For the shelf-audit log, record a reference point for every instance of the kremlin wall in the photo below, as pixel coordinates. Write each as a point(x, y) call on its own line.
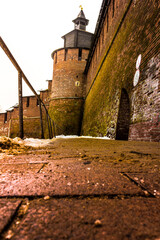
point(106, 83)
point(9, 121)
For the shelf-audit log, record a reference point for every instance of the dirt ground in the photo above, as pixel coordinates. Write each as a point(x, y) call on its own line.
point(79, 189)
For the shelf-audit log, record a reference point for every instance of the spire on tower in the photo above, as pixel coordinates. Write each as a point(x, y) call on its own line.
point(81, 22)
point(79, 37)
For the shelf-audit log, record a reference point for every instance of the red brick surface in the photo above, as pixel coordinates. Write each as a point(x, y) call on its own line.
point(68, 77)
point(31, 117)
point(130, 31)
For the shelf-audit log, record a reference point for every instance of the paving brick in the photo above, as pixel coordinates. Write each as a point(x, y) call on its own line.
point(20, 168)
point(68, 180)
point(7, 210)
point(150, 181)
point(95, 218)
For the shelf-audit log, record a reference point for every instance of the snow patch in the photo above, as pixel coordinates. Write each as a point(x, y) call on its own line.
point(35, 142)
point(67, 136)
point(75, 136)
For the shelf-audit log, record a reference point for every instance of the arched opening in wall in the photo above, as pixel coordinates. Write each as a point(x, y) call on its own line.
point(122, 131)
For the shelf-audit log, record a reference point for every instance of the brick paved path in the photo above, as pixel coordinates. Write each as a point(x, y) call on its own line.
point(81, 189)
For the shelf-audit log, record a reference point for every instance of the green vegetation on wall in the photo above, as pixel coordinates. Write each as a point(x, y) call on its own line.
point(67, 115)
point(32, 128)
point(117, 68)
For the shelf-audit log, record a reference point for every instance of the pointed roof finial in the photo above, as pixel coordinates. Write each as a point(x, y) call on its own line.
point(81, 22)
point(81, 7)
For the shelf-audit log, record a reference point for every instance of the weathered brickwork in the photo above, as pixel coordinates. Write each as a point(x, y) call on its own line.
point(132, 30)
point(68, 76)
point(109, 28)
point(67, 115)
point(4, 125)
point(68, 90)
point(9, 123)
point(30, 107)
point(31, 127)
point(145, 104)
point(114, 87)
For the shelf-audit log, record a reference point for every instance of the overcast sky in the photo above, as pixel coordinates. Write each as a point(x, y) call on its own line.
point(32, 30)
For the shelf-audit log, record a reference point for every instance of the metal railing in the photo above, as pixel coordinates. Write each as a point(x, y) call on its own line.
point(21, 75)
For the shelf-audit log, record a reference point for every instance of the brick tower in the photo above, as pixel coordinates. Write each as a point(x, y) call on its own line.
point(68, 83)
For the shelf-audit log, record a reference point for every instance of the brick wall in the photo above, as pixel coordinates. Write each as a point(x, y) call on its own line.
point(31, 128)
point(132, 29)
point(4, 125)
point(68, 89)
point(2, 117)
point(9, 123)
point(145, 104)
point(68, 77)
point(67, 115)
point(110, 25)
point(30, 107)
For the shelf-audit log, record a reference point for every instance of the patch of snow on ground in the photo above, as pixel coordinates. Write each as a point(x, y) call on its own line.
point(104, 138)
point(35, 142)
point(18, 140)
point(2, 155)
point(67, 136)
point(75, 136)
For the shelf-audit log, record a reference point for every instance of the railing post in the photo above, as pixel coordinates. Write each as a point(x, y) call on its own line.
point(41, 119)
point(51, 130)
point(21, 134)
point(54, 130)
point(20, 76)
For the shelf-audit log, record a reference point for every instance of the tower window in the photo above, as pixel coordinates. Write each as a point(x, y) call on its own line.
point(56, 58)
point(83, 23)
point(65, 54)
point(77, 83)
point(37, 102)
point(80, 54)
point(27, 104)
point(5, 117)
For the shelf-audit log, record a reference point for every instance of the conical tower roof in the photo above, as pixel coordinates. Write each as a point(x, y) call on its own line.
point(81, 15)
point(79, 37)
point(81, 22)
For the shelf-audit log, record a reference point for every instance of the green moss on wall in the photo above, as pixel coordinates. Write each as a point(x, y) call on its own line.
point(31, 128)
point(117, 68)
point(67, 115)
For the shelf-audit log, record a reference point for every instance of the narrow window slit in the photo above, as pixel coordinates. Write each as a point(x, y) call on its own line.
point(27, 104)
point(80, 54)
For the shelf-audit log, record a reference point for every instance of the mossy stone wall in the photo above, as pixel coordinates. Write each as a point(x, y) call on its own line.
point(136, 33)
point(67, 115)
point(68, 90)
point(32, 128)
